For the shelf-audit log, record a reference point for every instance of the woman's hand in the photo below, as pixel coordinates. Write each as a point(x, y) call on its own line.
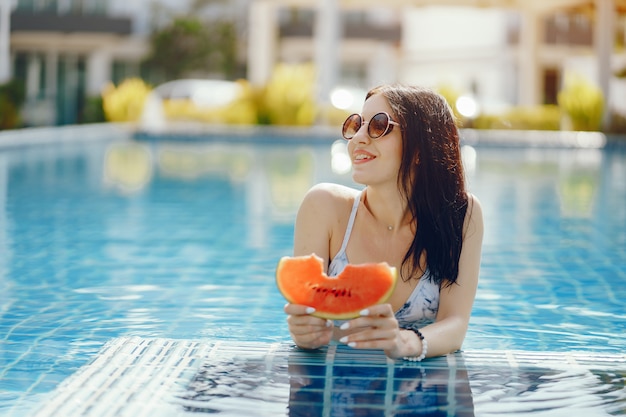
point(377, 328)
point(307, 332)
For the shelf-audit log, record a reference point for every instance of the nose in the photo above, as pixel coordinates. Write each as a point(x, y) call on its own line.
point(361, 135)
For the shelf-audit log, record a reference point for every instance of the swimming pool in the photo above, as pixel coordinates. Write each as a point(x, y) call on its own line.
point(117, 245)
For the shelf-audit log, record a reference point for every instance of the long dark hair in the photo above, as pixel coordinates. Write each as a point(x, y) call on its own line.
point(431, 178)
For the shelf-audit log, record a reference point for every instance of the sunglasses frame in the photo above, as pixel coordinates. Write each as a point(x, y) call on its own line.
point(388, 128)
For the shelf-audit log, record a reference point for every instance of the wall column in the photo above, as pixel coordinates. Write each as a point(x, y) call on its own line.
point(327, 34)
point(98, 72)
point(5, 41)
point(531, 39)
point(604, 30)
point(33, 72)
point(262, 39)
point(52, 81)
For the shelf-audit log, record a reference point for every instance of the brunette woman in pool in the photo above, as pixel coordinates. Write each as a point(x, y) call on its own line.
point(414, 213)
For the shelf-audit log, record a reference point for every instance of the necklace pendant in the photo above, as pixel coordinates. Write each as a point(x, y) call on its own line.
point(389, 227)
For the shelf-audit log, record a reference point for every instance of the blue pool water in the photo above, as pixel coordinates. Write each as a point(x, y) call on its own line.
point(116, 238)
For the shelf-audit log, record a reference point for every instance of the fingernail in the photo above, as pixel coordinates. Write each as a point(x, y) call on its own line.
point(344, 339)
point(365, 312)
point(310, 310)
point(345, 326)
point(329, 323)
point(352, 344)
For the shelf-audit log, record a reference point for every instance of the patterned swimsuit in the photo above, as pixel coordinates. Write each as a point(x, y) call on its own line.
point(421, 307)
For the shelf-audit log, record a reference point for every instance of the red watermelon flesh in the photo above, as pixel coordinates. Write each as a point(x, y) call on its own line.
point(301, 280)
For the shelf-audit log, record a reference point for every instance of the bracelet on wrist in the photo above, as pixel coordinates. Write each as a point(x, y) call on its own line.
point(424, 351)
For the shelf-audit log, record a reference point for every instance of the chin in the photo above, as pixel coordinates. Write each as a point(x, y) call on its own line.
point(360, 178)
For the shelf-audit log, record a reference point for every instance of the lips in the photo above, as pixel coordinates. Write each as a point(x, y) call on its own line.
point(362, 156)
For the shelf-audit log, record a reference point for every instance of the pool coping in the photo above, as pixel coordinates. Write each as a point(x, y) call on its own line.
point(190, 132)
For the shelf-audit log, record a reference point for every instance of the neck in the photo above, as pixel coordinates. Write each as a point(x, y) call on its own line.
point(388, 208)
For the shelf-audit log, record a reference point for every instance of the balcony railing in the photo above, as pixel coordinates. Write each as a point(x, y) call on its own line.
point(390, 33)
point(52, 22)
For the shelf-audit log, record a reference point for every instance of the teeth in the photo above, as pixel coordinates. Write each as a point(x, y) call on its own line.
point(361, 156)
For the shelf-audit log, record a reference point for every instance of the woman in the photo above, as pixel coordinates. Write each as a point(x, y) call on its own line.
point(414, 213)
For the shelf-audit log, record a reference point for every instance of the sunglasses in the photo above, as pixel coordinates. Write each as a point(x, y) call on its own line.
point(379, 125)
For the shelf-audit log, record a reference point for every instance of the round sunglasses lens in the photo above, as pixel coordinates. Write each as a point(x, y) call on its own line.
point(351, 126)
point(378, 125)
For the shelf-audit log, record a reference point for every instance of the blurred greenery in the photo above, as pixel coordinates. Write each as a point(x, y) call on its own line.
point(12, 95)
point(289, 96)
point(125, 102)
point(242, 110)
point(287, 99)
point(189, 46)
point(544, 117)
point(618, 124)
point(451, 95)
point(582, 102)
point(93, 110)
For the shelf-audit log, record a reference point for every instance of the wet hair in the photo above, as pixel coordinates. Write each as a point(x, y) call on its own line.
point(431, 178)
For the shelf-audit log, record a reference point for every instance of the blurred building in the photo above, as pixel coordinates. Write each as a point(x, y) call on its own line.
point(66, 51)
point(502, 52)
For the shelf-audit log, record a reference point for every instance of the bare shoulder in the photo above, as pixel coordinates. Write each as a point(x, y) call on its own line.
point(330, 196)
point(474, 215)
point(322, 219)
point(473, 203)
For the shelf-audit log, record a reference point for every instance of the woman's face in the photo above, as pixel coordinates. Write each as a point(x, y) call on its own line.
point(376, 161)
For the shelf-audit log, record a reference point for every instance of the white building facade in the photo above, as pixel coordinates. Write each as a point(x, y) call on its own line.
point(504, 53)
point(67, 50)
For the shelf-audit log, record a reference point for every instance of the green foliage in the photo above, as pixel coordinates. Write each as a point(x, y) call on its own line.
point(289, 96)
point(287, 99)
point(618, 124)
point(544, 117)
point(125, 102)
point(242, 110)
point(12, 97)
point(189, 45)
point(93, 111)
point(582, 102)
point(451, 95)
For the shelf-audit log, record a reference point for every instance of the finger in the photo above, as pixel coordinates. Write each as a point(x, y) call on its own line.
point(370, 339)
point(380, 310)
point(308, 321)
point(309, 332)
point(312, 340)
point(298, 309)
point(378, 322)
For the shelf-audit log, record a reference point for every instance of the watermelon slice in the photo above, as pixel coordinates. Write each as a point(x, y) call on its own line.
point(301, 280)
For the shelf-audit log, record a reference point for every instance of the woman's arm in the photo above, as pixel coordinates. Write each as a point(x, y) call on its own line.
point(378, 328)
point(318, 216)
point(313, 227)
point(447, 333)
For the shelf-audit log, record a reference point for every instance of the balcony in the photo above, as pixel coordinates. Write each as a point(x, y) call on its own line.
point(350, 30)
point(68, 23)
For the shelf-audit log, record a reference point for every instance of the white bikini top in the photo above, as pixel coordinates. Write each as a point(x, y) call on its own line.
point(422, 305)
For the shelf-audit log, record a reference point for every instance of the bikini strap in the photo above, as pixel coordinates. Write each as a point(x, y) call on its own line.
point(346, 236)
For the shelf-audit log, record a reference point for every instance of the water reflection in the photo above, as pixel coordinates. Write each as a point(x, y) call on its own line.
point(262, 380)
point(127, 166)
point(274, 178)
point(394, 388)
point(552, 391)
point(336, 382)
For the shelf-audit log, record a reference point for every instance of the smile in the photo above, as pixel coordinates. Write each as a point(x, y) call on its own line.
point(363, 156)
